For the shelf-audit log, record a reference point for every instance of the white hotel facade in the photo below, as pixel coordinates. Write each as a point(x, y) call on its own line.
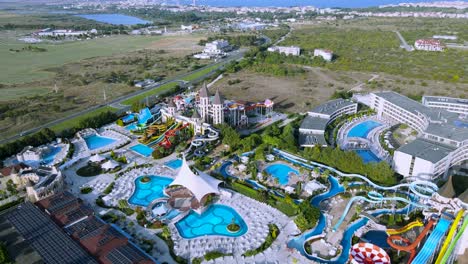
point(455, 105)
point(442, 135)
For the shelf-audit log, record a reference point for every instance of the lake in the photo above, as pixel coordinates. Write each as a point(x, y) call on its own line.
point(316, 3)
point(115, 19)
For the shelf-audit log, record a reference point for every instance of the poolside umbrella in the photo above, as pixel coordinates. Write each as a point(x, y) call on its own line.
point(96, 158)
point(109, 165)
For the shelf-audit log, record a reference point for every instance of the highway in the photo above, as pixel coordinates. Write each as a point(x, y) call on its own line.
point(235, 55)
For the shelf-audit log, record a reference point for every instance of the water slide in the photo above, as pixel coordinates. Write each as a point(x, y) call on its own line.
point(406, 228)
point(160, 138)
point(410, 247)
point(374, 197)
point(450, 235)
point(454, 242)
point(198, 143)
point(430, 246)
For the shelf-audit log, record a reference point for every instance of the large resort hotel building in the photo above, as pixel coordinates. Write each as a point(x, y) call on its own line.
point(442, 135)
point(450, 104)
point(312, 130)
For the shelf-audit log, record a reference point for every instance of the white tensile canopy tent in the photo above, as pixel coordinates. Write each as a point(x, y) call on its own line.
point(200, 185)
point(109, 165)
point(96, 158)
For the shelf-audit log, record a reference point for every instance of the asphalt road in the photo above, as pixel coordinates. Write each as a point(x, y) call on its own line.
point(235, 55)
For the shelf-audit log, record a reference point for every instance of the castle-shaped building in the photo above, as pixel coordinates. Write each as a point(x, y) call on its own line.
point(211, 111)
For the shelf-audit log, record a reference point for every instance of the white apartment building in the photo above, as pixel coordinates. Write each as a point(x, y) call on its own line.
point(216, 47)
point(291, 50)
point(324, 53)
point(442, 136)
point(312, 130)
point(428, 45)
point(455, 105)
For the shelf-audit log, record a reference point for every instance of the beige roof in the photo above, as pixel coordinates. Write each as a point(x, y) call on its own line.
point(200, 185)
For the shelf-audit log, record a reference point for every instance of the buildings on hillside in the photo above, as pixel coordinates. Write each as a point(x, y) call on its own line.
point(312, 129)
point(442, 135)
point(327, 55)
point(291, 50)
point(428, 45)
point(48, 32)
point(455, 105)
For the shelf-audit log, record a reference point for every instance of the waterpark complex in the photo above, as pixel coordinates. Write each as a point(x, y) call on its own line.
point(166, 177)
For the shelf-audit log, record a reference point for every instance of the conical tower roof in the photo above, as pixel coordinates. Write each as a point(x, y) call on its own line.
point(218, 100)
point(196, 114)
point(204, 91)
point(447, 189)
point(171, 103)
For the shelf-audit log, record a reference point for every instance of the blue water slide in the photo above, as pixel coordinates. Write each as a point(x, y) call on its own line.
point(430, 247)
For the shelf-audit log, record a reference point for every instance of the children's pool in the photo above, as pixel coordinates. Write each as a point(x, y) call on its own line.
point(362, 129)
point(146, 192)
point(95, 142)
point(142, 150)
point(281, 172)
point(50, 155)
point(213, 221)
point(174, 164)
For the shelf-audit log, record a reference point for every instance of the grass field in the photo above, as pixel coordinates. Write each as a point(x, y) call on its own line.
point(21, 67)
point(200, 74)
point(161, 89)
point(362, 46)
point(16, 93)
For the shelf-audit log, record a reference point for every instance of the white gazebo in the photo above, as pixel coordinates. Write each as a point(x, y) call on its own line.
point(96, 158)
point(199, 184)
point(109, 165)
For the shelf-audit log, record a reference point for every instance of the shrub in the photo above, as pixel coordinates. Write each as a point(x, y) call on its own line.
point(86, 190)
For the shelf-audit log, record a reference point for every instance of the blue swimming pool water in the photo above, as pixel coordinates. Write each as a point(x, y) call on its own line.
point(49, 157)
point(362, 129)
point(131, 127)
point(281, 172)
point(128, 118)
point(213, 221)
point(367, 156)
point(376, 237)
point(174, 164)
point(115, 19)
point(95, 142)
point(145, 193)
point(142, 149)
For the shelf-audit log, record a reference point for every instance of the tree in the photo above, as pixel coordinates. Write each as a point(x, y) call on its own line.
point(230, 136)
point(119, 122)
point(166, 233)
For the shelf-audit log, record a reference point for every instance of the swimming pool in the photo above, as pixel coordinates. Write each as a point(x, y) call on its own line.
point(94, 142)
point(174, 164)
point(50, 155)
point(281, 172)
point(362, 129)
point(147, 192)
point(213, 221)
point(376, 237)
point(142, 150)
point(367, 156)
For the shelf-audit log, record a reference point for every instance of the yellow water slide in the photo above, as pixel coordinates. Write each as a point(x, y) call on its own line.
point(409, 226)
point(450, 235)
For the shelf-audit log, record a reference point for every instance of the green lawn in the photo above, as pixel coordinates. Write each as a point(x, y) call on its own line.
point(160, 89)
point(72, 122)
point(27, 66)
point(200, 73)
